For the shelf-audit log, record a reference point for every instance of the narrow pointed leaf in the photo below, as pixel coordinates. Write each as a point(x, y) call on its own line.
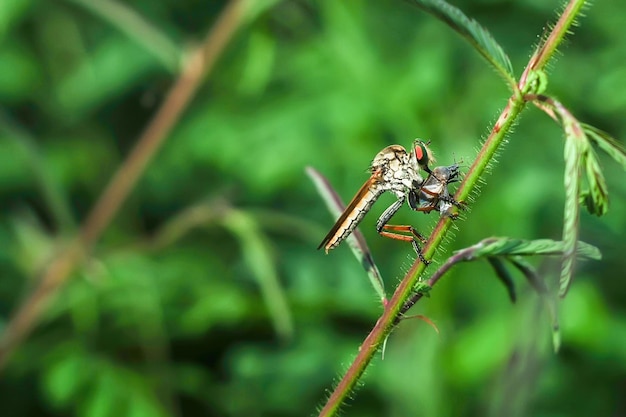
point(597, 200)
point(471, 30)
point(574, 149)
point(607, 143)
point(519, 247)
point(356, 240)
point(585, 251)
point(504, 276)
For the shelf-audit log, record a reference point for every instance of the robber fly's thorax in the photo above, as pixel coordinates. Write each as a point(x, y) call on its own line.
point(398, 171)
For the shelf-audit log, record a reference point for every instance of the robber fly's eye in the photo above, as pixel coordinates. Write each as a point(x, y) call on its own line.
point(422, 155)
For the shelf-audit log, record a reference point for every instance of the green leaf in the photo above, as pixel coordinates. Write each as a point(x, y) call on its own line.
point(504, 276)
point(597, 198)
point(505, 246)
point(104, 398)
point(607, 143)
point(575, 142)
point(65, 377)
point(356, 240)
point(477, 36)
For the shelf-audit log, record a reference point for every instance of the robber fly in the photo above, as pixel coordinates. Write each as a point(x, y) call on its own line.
point(396, 170)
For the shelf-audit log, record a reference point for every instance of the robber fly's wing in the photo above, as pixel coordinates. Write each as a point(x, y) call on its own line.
point(354, 213)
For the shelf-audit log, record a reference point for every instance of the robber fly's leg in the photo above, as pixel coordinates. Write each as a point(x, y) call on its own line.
point(388, 214)
point(390, 231)
point(413, 235)
point(418, 250)
point(450, 200)
point(383, 228)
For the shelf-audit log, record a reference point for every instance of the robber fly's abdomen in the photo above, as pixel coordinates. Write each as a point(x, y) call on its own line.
point(353, 217)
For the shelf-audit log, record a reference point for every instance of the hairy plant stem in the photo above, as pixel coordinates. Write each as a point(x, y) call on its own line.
point(509, 115)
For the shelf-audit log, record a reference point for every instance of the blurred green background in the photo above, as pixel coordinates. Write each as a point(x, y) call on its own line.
point(206, 296)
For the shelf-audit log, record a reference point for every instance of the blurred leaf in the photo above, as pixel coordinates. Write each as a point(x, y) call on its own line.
point(33, 245)
point(20, 76)
point(182, 223)
point(103, 400)
point(114, 390)
point(259, 65)
point(110, 68)
point(10, 12)
point(473, 32)
point(64, 379)
point(257, 255)
point(209, 310)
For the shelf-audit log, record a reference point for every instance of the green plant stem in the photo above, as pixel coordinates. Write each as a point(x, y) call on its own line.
point(558, 33)
point(509, 115)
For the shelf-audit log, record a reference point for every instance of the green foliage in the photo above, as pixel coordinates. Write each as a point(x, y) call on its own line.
point(183, 310)
point(477, 35)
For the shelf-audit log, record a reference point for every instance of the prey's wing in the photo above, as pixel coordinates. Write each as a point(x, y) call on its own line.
point(354, 213)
